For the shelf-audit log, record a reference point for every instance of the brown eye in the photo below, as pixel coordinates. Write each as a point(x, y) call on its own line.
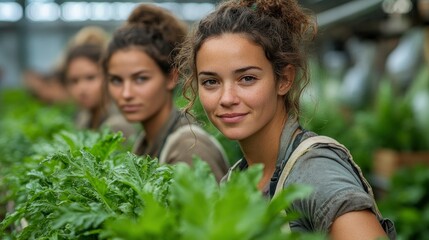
point(115, 81)
point(248, 79)
point(141, 79)
point(91, 77)
point(210, 83)
point(71, 81)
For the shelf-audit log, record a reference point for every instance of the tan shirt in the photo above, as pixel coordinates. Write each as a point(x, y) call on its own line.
point(180, 140)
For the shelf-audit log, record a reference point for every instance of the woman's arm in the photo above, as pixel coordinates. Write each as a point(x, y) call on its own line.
point(357, 225)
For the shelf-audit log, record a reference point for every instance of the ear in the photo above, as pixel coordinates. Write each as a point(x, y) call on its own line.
point(172, 79)
point(286, 80)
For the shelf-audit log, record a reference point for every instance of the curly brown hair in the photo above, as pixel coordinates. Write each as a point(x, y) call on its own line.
point(152, 29)
point(281, 27)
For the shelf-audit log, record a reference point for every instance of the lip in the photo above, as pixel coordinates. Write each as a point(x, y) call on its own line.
point(232, 117)
point(130, 108)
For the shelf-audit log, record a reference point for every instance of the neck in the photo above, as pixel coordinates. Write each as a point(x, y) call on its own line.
point(96, 116)
point(263, 147)
point(153, 125)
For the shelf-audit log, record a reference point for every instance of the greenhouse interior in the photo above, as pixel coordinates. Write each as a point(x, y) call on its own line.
point(109, 154)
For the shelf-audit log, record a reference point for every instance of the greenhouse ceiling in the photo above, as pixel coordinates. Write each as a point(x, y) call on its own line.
point(328, 12)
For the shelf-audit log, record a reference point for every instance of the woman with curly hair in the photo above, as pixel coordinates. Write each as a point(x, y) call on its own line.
point(246, 62)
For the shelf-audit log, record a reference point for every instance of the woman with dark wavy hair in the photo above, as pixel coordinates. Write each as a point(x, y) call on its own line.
point(246, 61)
point(141, 79)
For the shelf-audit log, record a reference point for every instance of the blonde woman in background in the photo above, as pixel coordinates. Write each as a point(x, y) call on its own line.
point(47, 87)
point(83, 79)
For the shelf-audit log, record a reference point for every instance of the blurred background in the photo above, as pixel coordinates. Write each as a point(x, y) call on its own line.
point(34, 32)
point(369, 81)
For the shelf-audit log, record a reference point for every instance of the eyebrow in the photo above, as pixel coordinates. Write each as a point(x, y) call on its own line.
point(144, 71)
point(240, 70)
point(132, 74)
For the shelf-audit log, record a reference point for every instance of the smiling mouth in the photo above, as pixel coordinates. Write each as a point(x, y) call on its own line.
point(232, 117)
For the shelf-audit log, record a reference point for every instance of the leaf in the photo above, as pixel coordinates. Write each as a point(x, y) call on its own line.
point(11, 218)
point(106, 145)
point(81, 217)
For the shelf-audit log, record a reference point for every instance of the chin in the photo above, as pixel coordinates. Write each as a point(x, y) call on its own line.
point(132, 118)
point(87, 106)
point(233, 135)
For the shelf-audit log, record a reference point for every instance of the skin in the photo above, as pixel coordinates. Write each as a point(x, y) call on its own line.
point(140, 89)
point(84, 83)
point(242, 98)
point(357, 225)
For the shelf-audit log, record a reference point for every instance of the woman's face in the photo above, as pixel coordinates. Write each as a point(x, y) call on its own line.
point(138, 86)
point(237, 87)
point(84, 82)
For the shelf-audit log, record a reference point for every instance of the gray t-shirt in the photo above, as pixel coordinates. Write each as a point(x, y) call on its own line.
point(337, 187)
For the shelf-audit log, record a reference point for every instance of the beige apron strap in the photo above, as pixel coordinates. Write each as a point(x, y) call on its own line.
point(232, 169)
point(303, 147)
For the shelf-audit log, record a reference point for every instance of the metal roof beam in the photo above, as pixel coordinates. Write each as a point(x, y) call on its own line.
point(346, 11)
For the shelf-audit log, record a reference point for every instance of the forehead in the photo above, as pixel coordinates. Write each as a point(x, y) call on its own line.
point(80, 64)
point(229, 40)
point(230, 50)
point(130, 56)
point(81, 59)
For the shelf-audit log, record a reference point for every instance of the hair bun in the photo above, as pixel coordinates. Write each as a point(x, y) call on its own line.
point(146, 14)
point(298, 20)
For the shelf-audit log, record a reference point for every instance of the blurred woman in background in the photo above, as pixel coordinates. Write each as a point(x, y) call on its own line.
point(141, 79)
point(48, 87)
point(83, 79)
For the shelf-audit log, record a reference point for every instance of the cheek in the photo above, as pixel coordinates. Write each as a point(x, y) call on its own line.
point(143, 92)
point(208, 101)
point(73, 90)
point(265, 100)
point(93, 93)
point(96, 85)
point(113, 92)
point(151, 91)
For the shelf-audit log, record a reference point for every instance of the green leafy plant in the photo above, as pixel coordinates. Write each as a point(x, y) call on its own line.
point(68, 184)
point(204, 210)
point(92, 190)
point(23, 123)
point(71, 193)
point(407, 202)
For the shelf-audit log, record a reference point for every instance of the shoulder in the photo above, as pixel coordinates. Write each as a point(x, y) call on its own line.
point(116, 122)
point(191, 139)
point(337, 186)
point(82, 119)
point(191, 135)
point(325, 165)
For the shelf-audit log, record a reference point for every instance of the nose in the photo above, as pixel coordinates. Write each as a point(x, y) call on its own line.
point(229, 96)
point(127, 91)
point(81, 87)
